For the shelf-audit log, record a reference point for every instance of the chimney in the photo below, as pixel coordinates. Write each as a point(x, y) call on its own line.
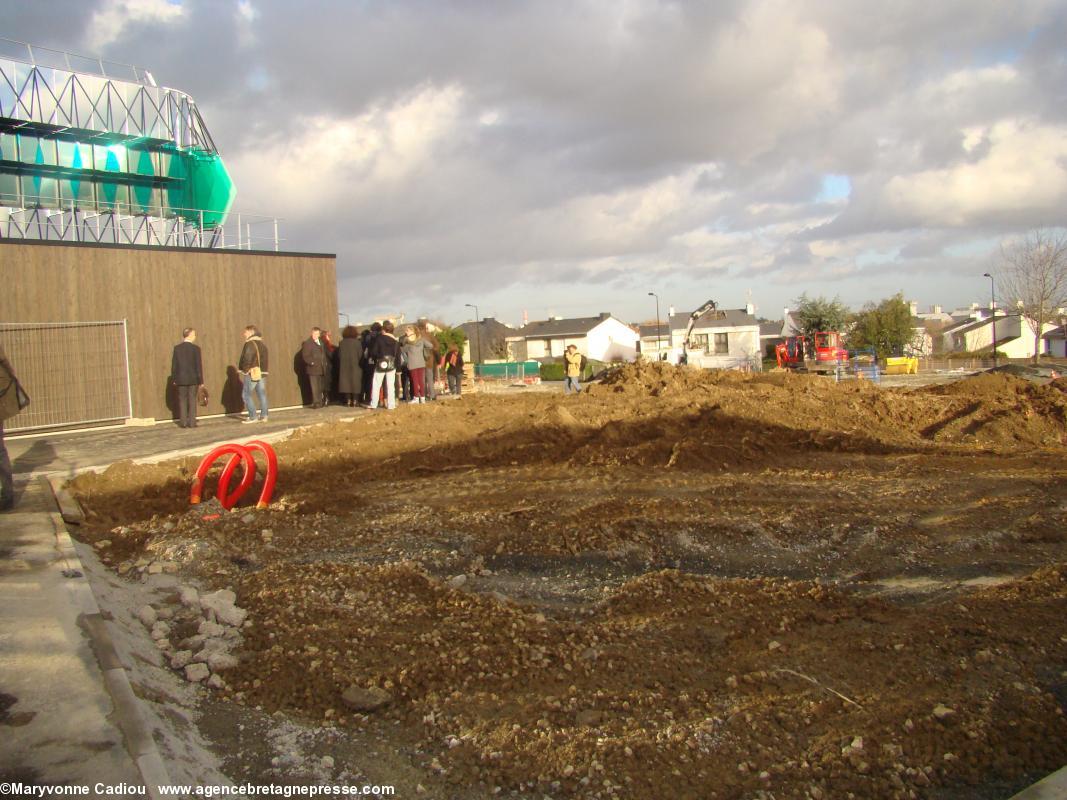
point(525, 318)
point(750, 309)
point(935, 309)
point(605, 314)
point(670, 311)
point(913, 308)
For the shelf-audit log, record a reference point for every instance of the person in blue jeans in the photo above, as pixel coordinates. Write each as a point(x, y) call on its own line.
point(253, 368)
point(573, 364)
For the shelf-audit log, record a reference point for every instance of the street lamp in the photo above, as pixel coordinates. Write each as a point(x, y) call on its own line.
point(477, 329)
point(343, 314)
point(659, 344)
point(993, 303)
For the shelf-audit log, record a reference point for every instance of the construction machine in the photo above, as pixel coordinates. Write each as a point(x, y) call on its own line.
point(822, 352)
point(711, 305)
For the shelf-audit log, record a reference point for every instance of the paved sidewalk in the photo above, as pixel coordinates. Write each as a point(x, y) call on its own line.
point(66, 453)
point(57, 721)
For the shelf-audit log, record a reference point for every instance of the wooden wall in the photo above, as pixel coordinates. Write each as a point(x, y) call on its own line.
point(159, 291)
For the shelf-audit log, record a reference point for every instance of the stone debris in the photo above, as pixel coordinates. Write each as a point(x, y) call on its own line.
point(147, 615)
point(363, 699)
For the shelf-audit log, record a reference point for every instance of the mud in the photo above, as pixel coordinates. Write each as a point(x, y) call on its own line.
point(708, 584)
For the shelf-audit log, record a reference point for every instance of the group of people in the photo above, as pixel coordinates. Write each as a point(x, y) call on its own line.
point(392, 367)
point(373, 367)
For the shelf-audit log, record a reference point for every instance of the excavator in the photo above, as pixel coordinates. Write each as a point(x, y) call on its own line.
point(711, 305)
point(822, 352)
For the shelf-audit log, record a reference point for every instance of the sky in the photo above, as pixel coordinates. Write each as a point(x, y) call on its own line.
point(569, 157)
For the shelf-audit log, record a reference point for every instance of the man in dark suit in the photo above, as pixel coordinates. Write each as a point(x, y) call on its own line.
point(187, 372)
point(314, 354)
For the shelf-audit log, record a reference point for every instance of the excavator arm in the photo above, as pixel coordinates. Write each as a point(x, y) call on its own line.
point(711, 305)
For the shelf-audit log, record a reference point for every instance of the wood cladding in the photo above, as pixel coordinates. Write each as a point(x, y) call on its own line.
point(160, 291)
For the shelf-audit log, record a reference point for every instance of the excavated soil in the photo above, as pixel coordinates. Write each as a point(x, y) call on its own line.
point(678, 582)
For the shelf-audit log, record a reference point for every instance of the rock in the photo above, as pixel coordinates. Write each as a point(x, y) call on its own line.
point(155, 569)
point(220, 661)
point(147, 615)
point(457, 580)
point(359, 699)
point(326, 762)
point(248, 518)
point(221, 606)
point(208, 628)
point(232, 616)
point(160, 630)
point(943, 711)
point(216, 682)
point(181, 659)
point(983, 656)
point(165, 613)
point(589, 717)
point(196, 672)
point(774, 646)
point(103, 544)
point(189, 597)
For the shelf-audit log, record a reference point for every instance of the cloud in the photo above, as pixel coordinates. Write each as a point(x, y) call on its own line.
point(110, 20)
point(551, 150)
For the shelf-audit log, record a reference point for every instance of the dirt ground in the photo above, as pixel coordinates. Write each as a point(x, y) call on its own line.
point(703, 584)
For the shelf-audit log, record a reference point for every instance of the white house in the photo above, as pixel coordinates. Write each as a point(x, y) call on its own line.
point(1056, 342)
point(655, 340)
point(720, 339)
point(1015, 337)
point(601, 338)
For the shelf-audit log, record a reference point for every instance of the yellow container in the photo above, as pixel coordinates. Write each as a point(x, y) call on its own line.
point(901, 365)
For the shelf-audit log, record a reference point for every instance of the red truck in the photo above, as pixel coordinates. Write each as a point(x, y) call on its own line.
point(821, 352)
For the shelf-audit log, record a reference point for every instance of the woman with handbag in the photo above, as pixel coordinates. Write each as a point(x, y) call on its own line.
point(384, 354)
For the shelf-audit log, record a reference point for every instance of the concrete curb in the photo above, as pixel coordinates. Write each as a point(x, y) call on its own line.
point(1054, 787)
point(127, 714)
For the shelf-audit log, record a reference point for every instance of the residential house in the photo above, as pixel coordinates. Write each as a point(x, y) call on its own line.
point(1015, 337)
point(489, 335)
point(600, 338)
point(720, 339)
point(655, 340)
point(1055, 342)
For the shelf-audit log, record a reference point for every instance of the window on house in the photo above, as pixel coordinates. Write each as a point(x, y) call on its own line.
point(722, 344)
point(699, 342)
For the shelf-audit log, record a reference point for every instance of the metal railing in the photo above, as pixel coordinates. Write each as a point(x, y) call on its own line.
point(127, 223)
point(72, 62)
point(76, 373)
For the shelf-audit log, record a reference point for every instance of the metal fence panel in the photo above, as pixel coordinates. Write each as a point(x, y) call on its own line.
point(74, 372)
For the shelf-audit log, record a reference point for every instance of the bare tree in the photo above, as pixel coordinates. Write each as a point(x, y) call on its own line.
point(1033, 275)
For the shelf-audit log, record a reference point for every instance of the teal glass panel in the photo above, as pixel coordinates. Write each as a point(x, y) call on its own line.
point(28, 149)
point(9, 189)
point(141, 162)
point(209, 188)
point(141, 198)
point(9, 147)
point(69, 155)
point(109, 158)
point(46, 152)
point(113, 197)
point(78, 192)
point(40, 191)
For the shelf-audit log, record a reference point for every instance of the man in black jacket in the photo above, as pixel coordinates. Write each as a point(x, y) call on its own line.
point(187, 373)
point(313, 351)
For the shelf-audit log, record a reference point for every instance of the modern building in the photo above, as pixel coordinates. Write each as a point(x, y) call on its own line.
point(117, 231)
